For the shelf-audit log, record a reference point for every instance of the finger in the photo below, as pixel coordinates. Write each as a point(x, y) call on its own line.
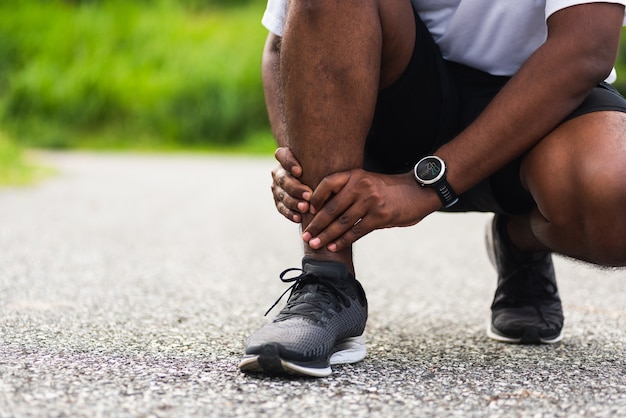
point(288, 161)
point(335, 229)
point(358, 230)
point(332, 211)
point(328, 187)
point(293, 204)
point(291, 185)
point(293, 216)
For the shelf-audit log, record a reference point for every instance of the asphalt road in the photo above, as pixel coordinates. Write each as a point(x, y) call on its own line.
point(128, 285)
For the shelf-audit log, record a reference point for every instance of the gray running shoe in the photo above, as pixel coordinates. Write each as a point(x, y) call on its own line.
point(322, 324)
point(526, 308)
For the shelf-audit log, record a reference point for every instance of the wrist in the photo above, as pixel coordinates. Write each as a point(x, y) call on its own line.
point(423, 200)
point(430, 172)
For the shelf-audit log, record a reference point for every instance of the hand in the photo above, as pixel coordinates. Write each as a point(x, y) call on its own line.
point(348, 205)
point(290, 195)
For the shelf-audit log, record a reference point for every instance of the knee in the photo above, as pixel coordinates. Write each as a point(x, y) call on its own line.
point(602, 212)
point(313, 10)
point(579, 184)
point(589, 207)
point(309, 7)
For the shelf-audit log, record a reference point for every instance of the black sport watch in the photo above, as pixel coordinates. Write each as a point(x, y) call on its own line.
point(431, 172)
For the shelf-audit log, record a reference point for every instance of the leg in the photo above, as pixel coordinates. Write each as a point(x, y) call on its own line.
point(333, 62)
point(334, 58)
point(577, 176)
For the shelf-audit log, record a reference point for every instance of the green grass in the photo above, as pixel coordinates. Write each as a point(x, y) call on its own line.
point(15, 167)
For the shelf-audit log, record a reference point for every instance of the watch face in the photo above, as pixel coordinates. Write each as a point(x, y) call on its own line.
point(429, 170)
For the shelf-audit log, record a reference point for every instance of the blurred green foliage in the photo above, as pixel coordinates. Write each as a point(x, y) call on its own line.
point(138, 73)
point(15, 167)
point(155, 74)
point(620, 66)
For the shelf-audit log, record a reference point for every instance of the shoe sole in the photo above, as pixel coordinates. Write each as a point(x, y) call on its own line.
point(350, 350)
point(489, 239)
point(495, 335)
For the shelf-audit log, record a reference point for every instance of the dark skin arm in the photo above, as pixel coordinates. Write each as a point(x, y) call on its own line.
point(580, 51)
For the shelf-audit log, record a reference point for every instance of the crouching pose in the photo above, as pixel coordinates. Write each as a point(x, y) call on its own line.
point(386, 111)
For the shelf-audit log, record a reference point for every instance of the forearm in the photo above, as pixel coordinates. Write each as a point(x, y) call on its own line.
point(270, 72)
point(549, 86)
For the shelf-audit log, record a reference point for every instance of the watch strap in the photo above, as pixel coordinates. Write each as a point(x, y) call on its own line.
point(445, 192)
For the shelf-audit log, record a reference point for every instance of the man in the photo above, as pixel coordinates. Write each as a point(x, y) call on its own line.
point(389, 110)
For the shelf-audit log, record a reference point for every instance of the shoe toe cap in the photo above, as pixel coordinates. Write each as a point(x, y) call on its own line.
point(525, 325)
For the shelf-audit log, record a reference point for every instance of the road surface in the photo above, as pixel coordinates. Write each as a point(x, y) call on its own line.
point(128, 284)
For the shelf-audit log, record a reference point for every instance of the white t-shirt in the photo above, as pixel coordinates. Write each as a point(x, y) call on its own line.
point(495, 36)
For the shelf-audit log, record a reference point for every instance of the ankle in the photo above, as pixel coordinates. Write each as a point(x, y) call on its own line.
point(518, 232)
point(344, 257)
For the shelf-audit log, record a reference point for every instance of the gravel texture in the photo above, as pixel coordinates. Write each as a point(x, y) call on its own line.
point(128, 285)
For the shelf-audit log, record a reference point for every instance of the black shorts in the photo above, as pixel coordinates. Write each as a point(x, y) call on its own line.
point(432, 102)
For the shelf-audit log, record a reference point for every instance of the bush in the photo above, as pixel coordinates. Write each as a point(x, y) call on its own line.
point(134, 73)
point(98, 72)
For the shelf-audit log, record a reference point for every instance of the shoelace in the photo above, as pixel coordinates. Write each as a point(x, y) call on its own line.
point(297, 280)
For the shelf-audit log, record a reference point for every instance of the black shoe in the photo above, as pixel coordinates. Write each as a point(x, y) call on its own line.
point(322, 324)
point(526, 308)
